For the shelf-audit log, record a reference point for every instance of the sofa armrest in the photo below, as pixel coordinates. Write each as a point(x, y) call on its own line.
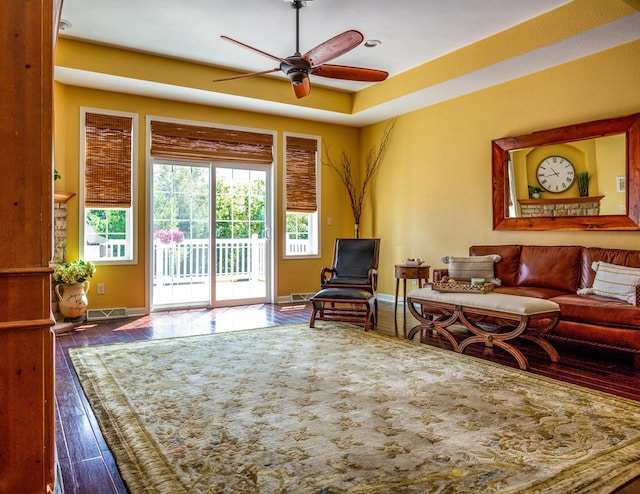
point(438, 274)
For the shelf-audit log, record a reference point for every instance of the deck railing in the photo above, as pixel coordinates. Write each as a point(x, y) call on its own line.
point(113, 249)
point(236, 259)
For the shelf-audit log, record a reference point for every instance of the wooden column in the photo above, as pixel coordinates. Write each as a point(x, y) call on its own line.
point(26, 340)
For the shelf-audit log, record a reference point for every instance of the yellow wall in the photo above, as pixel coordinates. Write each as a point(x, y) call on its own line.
point(125, 284)
point(433, 195)
point(610, 150)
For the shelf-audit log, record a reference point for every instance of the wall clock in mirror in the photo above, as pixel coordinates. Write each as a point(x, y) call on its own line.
point(555, 174)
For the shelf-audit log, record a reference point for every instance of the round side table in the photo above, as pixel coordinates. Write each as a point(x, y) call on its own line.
point(405, 273)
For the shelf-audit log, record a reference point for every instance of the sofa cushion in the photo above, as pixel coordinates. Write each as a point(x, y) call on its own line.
point(621, 257)
point(466, 268)
point(614, 281)
point(556, 267)
point(596, 310)
point(529, 291)
point(507, 268)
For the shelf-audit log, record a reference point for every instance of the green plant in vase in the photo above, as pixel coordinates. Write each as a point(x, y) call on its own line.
point(583, 179)
point(73, 272)
point(71, 287)
point(534, 192)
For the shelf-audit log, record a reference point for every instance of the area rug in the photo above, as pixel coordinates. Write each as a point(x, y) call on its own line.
point(291, 409)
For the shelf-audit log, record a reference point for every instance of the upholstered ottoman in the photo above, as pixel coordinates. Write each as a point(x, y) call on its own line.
point(345, 305)
point(525, 317)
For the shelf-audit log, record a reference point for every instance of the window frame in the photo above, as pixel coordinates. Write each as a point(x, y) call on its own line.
point(314, 217)
point(132, 214)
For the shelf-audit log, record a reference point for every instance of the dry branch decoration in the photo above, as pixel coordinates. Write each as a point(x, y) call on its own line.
point(358, 193)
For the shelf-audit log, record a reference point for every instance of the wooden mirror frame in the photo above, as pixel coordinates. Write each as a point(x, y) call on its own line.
point(629, 125)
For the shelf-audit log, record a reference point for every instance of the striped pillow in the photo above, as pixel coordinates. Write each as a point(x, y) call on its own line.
point(614, 281)
point(465, 268)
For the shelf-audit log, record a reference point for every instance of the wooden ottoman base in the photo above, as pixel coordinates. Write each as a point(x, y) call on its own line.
point(344, 305)
point(518, 317)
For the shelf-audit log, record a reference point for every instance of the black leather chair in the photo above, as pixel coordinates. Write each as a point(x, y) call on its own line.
point(355, 265)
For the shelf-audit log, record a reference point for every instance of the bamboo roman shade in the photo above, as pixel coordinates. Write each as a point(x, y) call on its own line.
point(301, 174)
point(108, 161)
point(176, 140)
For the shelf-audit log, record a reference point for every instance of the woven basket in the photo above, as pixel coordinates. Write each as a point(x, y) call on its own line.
point(461, 286)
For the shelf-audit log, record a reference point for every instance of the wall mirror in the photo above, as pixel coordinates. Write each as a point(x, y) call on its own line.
point(555, 161)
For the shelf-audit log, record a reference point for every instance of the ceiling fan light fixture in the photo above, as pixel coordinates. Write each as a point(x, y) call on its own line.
point(297, 76)
point(372, 43)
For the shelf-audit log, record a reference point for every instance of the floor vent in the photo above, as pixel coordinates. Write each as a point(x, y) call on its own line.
point(102, 314)
point(301, 297)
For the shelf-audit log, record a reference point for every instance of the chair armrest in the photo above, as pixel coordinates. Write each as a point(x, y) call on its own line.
point(438, 274)
point(637, 295)
point(373, 279)
point(323, 275)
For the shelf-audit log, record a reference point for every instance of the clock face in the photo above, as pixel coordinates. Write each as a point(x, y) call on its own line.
point(555, 174)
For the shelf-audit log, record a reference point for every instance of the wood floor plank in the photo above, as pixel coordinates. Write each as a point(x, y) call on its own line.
point(61, 443)
point(96, 478)
point(88, 466)
point(67, 395)
point(80, 438)
point(112, 468)
point(69, 481)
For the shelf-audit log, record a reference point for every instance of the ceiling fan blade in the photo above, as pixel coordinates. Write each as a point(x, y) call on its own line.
point(302, 89)
point(250, 74)
point(334, 47)
point(263, 53)
point(350, 73)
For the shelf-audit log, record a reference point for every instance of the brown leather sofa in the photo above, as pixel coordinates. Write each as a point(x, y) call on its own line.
point(556, 273)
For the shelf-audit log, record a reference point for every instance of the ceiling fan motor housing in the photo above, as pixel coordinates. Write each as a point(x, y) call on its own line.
point(297, 4)
point(297, 70)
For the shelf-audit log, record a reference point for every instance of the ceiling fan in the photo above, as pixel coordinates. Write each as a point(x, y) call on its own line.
point(298, 67)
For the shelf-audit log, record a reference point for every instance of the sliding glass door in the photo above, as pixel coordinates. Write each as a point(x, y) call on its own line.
point(181, 227)
point(242, 235)
point(200, 205)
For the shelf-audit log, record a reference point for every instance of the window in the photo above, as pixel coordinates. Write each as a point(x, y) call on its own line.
point(107, 175)
point(301, 183)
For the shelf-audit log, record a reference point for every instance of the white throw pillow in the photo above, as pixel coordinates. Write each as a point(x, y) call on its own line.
point(614, 281)
point(465, 268)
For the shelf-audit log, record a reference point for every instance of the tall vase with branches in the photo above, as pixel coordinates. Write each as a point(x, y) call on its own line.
point(357, 192)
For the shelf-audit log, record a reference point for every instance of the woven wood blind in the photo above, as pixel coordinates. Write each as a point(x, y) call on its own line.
point(108, 161)
point(174, 140)
point(301, 174)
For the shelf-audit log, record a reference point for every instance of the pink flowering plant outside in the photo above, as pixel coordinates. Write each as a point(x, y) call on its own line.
point(73, 272)
point(168, 236)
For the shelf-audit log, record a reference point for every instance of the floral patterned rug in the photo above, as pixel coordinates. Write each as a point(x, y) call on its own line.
point(291, 409)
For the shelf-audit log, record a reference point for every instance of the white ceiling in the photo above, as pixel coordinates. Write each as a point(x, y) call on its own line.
point(412, 32)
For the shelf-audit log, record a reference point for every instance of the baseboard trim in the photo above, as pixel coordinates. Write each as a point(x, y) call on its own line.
point(137, 311)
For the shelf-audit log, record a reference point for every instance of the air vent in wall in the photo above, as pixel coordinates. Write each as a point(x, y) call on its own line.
point(301, 297)
point(101, 314)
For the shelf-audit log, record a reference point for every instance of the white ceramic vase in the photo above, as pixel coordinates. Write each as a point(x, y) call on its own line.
point(72, 299)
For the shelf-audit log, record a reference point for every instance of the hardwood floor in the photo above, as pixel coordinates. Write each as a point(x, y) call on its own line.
point(87, 465)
